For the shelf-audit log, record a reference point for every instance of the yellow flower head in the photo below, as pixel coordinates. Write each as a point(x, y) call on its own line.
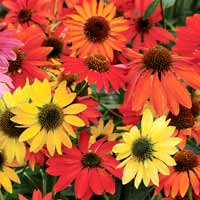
point(7, 174)
point(103, 130)
point(46, 119)
point(9, 132)
point(149, 152)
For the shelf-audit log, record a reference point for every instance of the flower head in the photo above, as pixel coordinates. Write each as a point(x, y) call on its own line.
point(149, 152)
point(94, 29)
point(47, 119)
point(37, 195)
point(91, 168)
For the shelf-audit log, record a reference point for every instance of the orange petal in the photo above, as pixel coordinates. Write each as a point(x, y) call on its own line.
point(194, 182)
point(184, 183)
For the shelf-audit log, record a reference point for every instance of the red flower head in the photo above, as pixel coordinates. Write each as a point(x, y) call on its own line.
point(29, 58)
point(157, 74)
point(27, 12)
point(144, 30)
point(37, 195)
point(90, 167)
point(97, 69)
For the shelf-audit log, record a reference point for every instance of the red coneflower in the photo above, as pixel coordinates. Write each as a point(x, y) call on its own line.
point(156, 75)
point(97, 70)
point(186, 173)
point(91, 168)
point(37, 195)
point(29, 58)
point(145, 31)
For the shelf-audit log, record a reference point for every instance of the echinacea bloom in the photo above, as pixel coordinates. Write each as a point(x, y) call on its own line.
point(182, 198)
point(147, 153)
point(27, 12)
point(188, 37)
point(37, 195)
point(145, 31)
point(185, 174)
point(96, 69)
point(95, 30)
point(47, 119)
point(186, 125)
point(5, 83)
point(7, 46)
point(123, 6)
point(7, 174)
point(91, 168)
point(158, 75)
point(9, 131)
point(103, 130)
point(30, 58)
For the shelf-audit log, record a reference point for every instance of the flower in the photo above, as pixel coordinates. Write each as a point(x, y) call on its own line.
point(47, 119)
point(7, 174)
point(185, 174)
point(144, 31)
point(29, 58)
point(97, 70)
point(8, 44)
point(147, 153)
point(102, 130)
point(94, 29)
point(188, 37)
point(9, 131)
point(157, 74)
point(37, 195)
point(27, 12)
point(91, 168)
point(5, 83)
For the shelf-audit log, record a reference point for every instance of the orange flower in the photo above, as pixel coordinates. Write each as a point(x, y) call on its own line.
point(157, 74)
point(94, 29)
point(186, 173)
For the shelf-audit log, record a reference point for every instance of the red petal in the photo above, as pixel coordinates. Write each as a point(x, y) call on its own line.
point(95, 182)
point(21, 197)
point(83, 141)
point(107, 181)
point(48, 196)
point(106, 147)
point(81, 183)
point(98, 144)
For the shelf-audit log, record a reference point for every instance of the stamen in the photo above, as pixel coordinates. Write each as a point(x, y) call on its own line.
point(91, 160)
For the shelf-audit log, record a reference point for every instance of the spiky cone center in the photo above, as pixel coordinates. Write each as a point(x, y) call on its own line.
point(57, 45)
point(97, 63)
point(142, 149)
point(8, 127)
point(24, 15)
point(15, 65)
point(158, 59)
point(91, 160)
point(183, 120)
point(51, 117)
point(97, 29)
point(143, 25)
point(185, 160)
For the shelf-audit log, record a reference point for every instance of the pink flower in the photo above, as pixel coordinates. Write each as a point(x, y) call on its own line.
point(7, 44)
point(5, 83)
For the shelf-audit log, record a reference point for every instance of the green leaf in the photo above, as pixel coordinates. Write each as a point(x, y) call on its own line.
point(151, 8)
point(168, 3)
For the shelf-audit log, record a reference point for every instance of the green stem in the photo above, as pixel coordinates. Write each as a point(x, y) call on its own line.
point(29, 178)
point(111, 111)
point(190, 194)
point(163, 13)
point(1, 196)
point(44, 182)
point(105, 197)
point(85, 86)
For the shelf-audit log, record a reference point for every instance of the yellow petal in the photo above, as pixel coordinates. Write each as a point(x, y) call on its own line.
point(146, 177)
point(30, 132)
point(75, 109)
point(153, 172)
point(9, 101)
point(108, 129)
point(69, 129)
point(139, 175)
point(130, 171)
point(121, 148)
point(123, 155)
point(11, 174)
point(162, 168)
point(2, 105)
point(10, 150)
point(61, 97)
point(65, 139)
point(20, 152)
point(50, 143)
point(57, 140)
point(147, 121)
point(38, 141)
point(124, 162)
point(134, 133)
point(5, 182)
point(74, 120)
point(167, 159)
point(28, 108)
point(24, 121)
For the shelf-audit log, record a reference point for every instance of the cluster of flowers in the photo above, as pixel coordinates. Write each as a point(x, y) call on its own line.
point(56, 56)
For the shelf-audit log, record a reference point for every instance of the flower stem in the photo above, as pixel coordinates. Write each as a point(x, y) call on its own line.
point(29, 178)
point(190, 194)
point(1, 196)
point(163, 13)
point(44, 182)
